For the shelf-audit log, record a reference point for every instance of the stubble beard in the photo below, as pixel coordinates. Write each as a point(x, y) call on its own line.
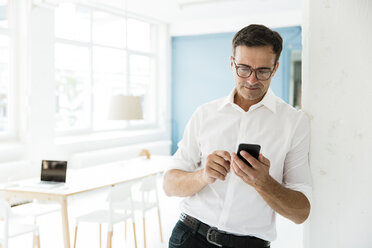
point(250, 95)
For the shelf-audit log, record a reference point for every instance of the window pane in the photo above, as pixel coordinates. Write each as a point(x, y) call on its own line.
point(141, 83)
point(140, 65)
point(4, 83)
point(108, 29)
point(110, 77)
point(139, 35)
point(73, 87)
point(109, 60)
point(3, 13)
point(72, 22)
point(140, 74)
point(140, 86)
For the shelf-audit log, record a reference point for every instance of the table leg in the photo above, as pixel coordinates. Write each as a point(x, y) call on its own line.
point(65, 227)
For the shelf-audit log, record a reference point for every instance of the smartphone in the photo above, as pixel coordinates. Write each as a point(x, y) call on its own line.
point(252, 149)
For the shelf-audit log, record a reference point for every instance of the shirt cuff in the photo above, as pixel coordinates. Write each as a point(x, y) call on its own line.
point(181, 165)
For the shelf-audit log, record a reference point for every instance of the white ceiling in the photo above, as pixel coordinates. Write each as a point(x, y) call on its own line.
point(201, 16)
point(211, 16)
point(174, 10)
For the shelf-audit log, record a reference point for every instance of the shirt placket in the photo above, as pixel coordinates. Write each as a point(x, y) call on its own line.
point(232, 179)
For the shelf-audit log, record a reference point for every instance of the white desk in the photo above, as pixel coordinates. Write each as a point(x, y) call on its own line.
point(88, 179)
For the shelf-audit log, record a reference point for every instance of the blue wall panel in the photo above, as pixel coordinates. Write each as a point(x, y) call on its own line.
point(201, 72)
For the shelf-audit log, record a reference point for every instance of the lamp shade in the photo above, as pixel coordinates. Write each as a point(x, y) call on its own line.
point(125, 108)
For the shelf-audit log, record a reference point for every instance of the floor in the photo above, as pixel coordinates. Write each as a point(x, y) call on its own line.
point(289, 235)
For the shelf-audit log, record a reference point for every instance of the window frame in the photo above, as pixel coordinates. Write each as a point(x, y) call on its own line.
point(294, 56)
point(153, 55)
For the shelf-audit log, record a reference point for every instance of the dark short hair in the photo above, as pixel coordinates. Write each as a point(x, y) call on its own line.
point(256, 35)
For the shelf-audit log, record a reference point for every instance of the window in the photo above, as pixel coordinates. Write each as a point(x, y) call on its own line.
point(99, 54)
point(6, 90)
point(295, 79)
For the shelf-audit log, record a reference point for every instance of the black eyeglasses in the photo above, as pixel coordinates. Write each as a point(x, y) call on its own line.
point(246, 71)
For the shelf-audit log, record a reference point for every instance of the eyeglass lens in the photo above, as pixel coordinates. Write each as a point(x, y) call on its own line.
point(260, 74)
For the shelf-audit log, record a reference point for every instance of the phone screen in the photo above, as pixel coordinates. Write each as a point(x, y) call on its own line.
point(252, 149)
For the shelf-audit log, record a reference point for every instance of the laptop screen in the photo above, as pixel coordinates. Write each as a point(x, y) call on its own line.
point(53, 171)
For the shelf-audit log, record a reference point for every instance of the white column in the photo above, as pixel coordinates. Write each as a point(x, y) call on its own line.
point(337, 95)
point(42, 89)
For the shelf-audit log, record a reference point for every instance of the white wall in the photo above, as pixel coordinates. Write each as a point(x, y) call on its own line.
point(337, 94)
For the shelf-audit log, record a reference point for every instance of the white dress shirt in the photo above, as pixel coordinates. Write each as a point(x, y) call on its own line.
point(232, 205)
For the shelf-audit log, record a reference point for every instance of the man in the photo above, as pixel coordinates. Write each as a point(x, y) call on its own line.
point(227, 202)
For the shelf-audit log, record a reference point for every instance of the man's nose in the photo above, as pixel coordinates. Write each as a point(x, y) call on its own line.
point(252, 78)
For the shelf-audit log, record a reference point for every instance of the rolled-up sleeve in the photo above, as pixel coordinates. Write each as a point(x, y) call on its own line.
point(187, 156)
point(297, 174)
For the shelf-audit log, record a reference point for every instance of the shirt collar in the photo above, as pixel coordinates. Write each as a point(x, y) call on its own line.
point(268, 101)
point(228, 100)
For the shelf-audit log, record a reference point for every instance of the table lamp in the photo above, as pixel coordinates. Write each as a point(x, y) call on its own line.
point(125, 108)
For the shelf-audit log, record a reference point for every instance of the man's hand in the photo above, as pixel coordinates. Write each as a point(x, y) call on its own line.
point(287, 202)
point(258, 175)
point(184, 183)
point(217, 166)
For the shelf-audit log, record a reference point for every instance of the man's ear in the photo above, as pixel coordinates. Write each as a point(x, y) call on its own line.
point(232, 63)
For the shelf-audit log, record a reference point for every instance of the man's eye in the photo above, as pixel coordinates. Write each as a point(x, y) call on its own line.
point(245, 69)
point(263, 72)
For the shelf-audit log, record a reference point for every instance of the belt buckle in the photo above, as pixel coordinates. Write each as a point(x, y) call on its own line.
point(212, 231)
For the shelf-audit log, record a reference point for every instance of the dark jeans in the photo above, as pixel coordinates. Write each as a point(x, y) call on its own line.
point(184, 237)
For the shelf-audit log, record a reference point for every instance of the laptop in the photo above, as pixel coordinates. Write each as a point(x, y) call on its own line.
point(53, 171)
point(53, 174)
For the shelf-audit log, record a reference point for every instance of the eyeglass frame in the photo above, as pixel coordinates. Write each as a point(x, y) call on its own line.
point(252, 70)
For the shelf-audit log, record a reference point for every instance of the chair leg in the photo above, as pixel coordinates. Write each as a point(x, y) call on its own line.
point(36, 241)
point(100, 235)
point(109, 239)
point(134, 233)
point(144, 231)
point(161, 232)
point(76, 230)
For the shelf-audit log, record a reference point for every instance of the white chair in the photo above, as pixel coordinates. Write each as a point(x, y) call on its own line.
point(10, 228)
point(118, 195)
point(149, 200)
point(35, 209)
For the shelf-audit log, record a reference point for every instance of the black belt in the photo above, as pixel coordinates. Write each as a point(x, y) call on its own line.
point(220, 238)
